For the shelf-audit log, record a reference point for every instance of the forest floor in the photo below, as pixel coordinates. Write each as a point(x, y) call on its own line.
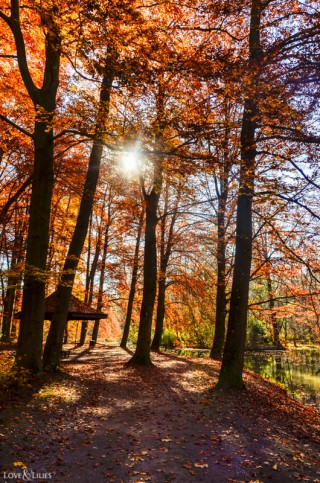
point(100, 421)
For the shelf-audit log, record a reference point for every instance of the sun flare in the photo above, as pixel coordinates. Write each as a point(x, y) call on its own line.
point(130, 162)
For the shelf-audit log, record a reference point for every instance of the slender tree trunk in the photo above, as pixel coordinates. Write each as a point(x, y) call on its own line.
point(52, 352)
point(14, 281)
point(134, 279)
point(221, 311)
point(142, 353)
point(165, 253)
point(89, 286)
point(156, 342)
point(233, 357)
point(8, 306)
point(221, 298)
point(84, 324)
point(95, 332)
point(88, 261)
point(94, 266)
point(274, 322)
point(83, 332)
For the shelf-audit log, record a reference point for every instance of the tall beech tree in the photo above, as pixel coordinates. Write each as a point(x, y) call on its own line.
point(151, 199)
point(166, 245)
point(14, 275)
point(29, 348)
point(134, 279)
point(102, 277)
point(222, 182)
point(233, 357)
point(52, 351)
point(91, 266)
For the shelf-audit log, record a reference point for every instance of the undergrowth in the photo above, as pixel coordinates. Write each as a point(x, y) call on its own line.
point(11, 375)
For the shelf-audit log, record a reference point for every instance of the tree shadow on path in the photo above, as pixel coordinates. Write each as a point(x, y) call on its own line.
point(106, 422)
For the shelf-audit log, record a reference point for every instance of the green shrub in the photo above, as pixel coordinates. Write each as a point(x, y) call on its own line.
point(170, 339)
point(133, 333)
point(257, 332)
point(12, 376)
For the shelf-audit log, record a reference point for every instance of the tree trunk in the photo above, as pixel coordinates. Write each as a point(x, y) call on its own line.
point(14, 281)
point(221, 298)
point(83, 333)
point(8, 306)
point(89, 285)
point(160, 314)
point(142, 353)
point(274, 322)
point(233, 357)
point(93, 269)
point(95, 331)
point(134, 279)
point(165, 253)
point(52, 352)
point(29, 347)
point(221, 310)
point(84, 325)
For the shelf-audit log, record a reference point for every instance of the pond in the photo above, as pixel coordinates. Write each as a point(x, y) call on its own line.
point(298, 370)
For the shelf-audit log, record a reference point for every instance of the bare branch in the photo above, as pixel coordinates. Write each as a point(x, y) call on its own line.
point(13, 124)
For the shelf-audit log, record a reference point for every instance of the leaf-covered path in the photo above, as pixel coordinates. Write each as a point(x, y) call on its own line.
point(99, 421)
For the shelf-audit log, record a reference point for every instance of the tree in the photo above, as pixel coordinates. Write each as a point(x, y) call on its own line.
point(151, 199)
point(134, 278)
point(14, 276)
point(52, 351)
point(29, 349)
point(166, 244)
point(233, 356)
point(222, 185)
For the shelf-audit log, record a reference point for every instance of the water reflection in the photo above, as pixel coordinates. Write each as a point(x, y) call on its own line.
point(298, 370)
point(295, 369)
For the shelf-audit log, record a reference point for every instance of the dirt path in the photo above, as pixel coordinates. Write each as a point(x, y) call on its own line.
point(99, 421)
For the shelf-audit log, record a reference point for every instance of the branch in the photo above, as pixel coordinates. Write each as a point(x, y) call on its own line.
point(294, 254)
point(146, 152)
point(143, 188)
point(302, 138)
point(292, 200)
point(304, 175)
point(212, 29)
point(13, 23)
point(283, 297)
point(14, 197)
point(19, 128)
